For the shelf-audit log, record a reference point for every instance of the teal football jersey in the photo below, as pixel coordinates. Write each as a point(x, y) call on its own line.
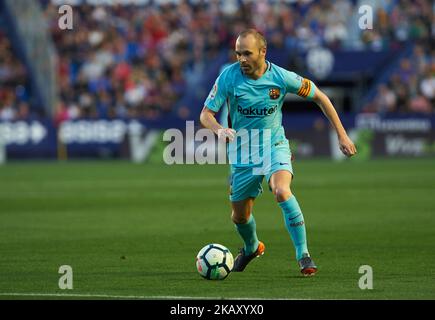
point(256, 105)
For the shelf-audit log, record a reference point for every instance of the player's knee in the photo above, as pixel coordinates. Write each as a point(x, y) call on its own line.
point(239, 218)
point(282, 194)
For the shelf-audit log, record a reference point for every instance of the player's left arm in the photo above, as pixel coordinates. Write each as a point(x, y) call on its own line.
point(305, 88)
point(346, 144)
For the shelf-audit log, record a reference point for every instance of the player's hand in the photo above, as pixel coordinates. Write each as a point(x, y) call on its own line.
point(226, 133)
point(347, 146)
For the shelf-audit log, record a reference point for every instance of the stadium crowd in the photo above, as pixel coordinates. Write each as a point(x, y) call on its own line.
point(13, 83)
point(137, 62)
point(411, 87)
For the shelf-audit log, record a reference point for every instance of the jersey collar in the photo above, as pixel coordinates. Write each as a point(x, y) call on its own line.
point(265, 74)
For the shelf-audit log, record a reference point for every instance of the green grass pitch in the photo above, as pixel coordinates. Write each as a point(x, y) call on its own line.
point(133, 231)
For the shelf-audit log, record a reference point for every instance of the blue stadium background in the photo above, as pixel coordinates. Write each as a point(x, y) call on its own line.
point(79, 93)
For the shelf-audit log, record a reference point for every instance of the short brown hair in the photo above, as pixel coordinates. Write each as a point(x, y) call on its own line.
point(261, 40)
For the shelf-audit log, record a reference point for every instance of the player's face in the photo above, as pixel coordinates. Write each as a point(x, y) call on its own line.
point(250, 55)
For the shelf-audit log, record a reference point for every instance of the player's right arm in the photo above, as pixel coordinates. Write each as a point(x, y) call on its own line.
point(208, 120)
point(216, 98)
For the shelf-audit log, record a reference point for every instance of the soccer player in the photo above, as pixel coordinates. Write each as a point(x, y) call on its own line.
point(253, 90)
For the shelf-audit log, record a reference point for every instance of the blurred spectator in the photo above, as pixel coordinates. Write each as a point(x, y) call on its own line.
point(427, 84)
point(13, 83)
point(8, 111)
point(405, 71)
point(419, 103)
point(385, 100)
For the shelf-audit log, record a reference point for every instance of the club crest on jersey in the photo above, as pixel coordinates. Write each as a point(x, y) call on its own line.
point(274, 93)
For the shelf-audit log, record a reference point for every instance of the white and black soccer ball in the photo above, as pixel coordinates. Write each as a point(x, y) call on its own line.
point(214, 262)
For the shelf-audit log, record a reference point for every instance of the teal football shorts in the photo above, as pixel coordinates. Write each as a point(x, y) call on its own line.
point(245, 184)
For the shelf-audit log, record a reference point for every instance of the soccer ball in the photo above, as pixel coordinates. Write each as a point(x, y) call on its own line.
point(214, 262)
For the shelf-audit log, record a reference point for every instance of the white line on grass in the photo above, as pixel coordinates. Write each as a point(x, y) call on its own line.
point(108, 296)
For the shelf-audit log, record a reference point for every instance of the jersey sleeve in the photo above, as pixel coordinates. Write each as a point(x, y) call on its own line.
point(296, 84)
point(218, 94)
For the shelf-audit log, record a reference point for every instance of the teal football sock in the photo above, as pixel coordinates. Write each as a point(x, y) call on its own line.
point(294, 221)
point(249, 235)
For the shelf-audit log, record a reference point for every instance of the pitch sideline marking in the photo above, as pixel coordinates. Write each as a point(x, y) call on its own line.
point(86, 295)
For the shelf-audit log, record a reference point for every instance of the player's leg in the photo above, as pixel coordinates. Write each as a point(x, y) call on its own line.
point(245, 187)
point(244, 222)
point(279, 178)
point(280, 182)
